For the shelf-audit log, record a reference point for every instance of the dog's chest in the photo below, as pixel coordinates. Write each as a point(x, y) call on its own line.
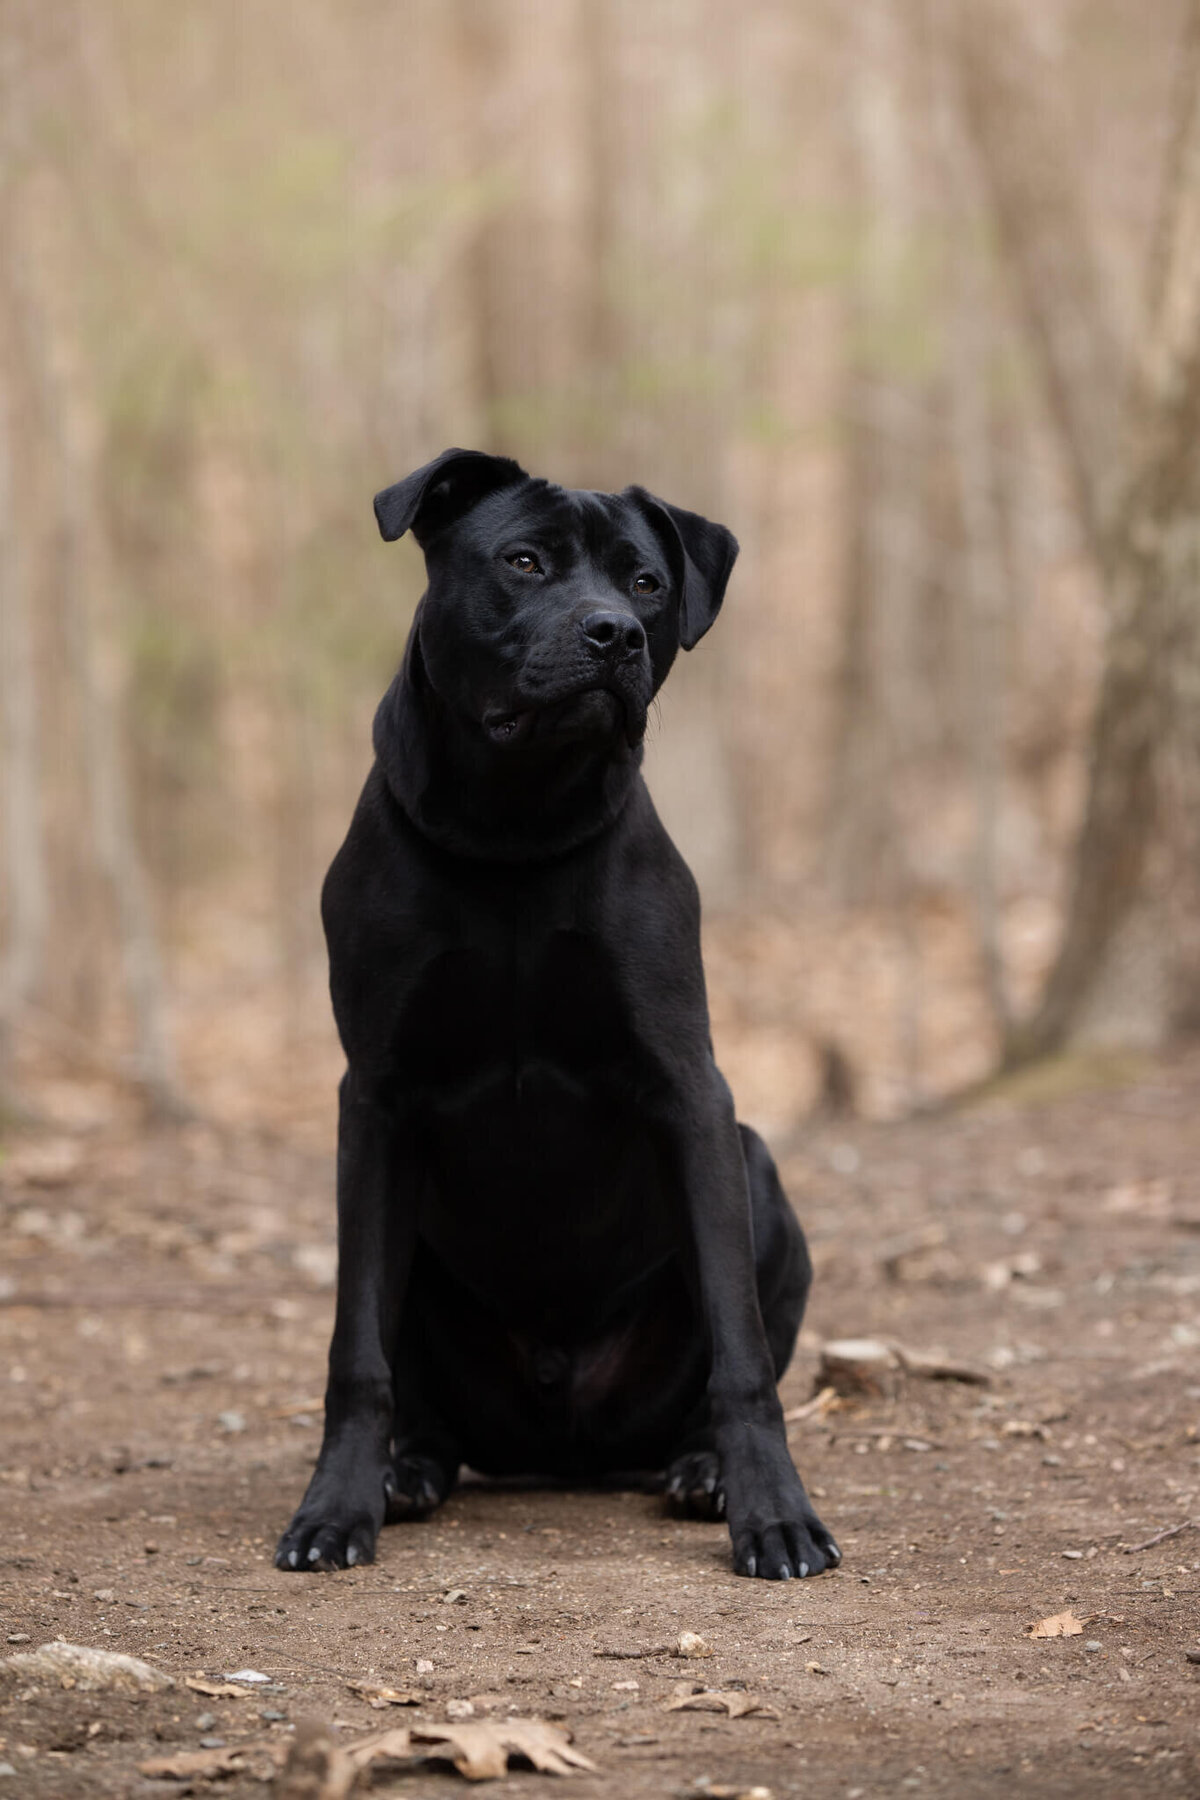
point(518, 1013)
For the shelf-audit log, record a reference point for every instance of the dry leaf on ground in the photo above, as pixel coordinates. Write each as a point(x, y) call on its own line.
point(823, 1402)
point(722, 1791)
point(385, 1696)
point(218, 1690)
point(1063, 1624)
point(1139, 1199)
point(480, 1751)
point(196, 1765)
point(91, 1671)
point(733, 1701)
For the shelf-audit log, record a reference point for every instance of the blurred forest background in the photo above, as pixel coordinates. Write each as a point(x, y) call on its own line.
point(907, 293)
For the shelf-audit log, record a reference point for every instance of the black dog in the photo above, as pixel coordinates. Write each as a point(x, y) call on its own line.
point(559, 1252)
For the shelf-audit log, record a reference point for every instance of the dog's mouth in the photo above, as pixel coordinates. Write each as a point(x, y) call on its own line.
point(507, 728)
point(593, 712)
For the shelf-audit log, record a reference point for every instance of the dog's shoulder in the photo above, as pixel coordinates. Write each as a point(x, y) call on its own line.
point(380, 907)
point(645, 868)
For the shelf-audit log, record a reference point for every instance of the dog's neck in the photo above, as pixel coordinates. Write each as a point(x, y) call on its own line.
point(480, 800)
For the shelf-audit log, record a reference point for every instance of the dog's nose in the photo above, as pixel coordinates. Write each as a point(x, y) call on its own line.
point(614, 634)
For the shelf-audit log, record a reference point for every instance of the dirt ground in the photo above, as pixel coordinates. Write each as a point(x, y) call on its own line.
point(166, 1308)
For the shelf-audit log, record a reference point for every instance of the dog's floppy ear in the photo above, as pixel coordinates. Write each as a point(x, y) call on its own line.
point(431, 498)
point(702, 555)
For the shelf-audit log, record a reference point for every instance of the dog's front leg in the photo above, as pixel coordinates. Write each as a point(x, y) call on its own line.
point(775, 1531)
point(340, 1516)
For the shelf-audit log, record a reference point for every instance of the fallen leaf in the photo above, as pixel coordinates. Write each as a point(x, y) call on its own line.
point(480, 1751)
point(384, 1696)
point(822, 1402)
point(1141, 1199)
point(734, 1702)
point(195, 1765)
point(218, 1690)
point(1063, 1624)
point(722, 1791)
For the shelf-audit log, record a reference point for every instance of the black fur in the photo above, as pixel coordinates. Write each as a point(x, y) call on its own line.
point(559, 1252)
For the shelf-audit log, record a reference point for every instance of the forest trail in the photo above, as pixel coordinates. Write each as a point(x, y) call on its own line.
point(166, 1310)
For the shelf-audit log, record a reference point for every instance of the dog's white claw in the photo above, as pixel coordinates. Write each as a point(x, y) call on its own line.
point(293, 1558)
point(804, 1568)
point(314, 1554)
point(351, 1556)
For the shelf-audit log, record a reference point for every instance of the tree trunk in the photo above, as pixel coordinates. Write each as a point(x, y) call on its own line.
point(887, 426)
point(26, 885)
point(1112, 976)
point(92, 639)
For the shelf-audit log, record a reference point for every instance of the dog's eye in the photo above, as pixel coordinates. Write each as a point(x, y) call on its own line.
point(646, 584)
point(524, 563)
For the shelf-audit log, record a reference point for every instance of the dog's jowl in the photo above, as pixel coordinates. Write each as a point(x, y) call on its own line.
point(559, 1253)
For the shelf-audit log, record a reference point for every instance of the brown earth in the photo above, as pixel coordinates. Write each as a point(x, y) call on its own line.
point(166, 1308)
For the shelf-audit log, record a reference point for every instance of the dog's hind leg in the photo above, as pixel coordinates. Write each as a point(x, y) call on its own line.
point(783, 1273)
point(782, 1267)
point(425, 1458)
point(693, 1487)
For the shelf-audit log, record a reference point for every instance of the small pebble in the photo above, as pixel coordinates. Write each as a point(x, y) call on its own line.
point(231, 1421)
point(104, 1594)
point(1093, 1644)
point(424, 1666)
point(6, 1768)
point(150, 1549)
point(272, 1716)
point(18, 1637)
point(692, 1644)
point(206, 1721)
point(1193, 1656)
point(459, 1709)
point(1073, 1555)
point(212, 1743)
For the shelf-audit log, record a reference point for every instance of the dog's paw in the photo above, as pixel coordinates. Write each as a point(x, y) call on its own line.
point(796, 1547)
point(416, 1486)
point(693, 1487)
point(335, 1527)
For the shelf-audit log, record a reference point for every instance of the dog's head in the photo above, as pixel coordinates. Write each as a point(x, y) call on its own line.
point(552, 614)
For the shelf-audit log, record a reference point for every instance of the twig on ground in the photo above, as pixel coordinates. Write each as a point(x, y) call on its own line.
point(1160, 1537)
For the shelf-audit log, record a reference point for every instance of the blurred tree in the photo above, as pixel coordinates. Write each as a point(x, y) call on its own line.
point(889, 422)
point(1115, 974)
point(25, 883)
